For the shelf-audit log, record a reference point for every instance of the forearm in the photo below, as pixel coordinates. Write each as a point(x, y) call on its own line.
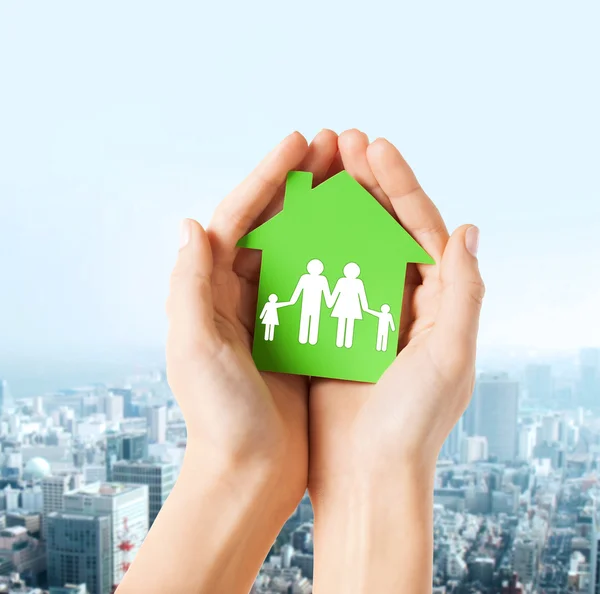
point(375, 534)
point(212, 534)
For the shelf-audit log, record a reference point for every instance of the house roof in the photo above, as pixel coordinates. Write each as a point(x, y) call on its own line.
point(339, 207)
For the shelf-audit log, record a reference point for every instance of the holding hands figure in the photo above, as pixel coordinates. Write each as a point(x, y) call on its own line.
point(269, 316)
point(373, 447)
point(350, 301)
point(384, 325)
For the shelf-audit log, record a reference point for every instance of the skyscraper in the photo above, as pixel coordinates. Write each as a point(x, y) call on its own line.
point(473, 449)
point(159, 476)
point(157, 423)
point(53, 489)
point(127, 506)
point(525, 559)
point(6, 399)
point(125, 446)
point(526, 441)
point(496, 405)
point(589, 377)
point(452, 445)
point(80, 551)
point(113, 406)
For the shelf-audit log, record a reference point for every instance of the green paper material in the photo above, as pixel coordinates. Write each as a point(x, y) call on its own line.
point(338, 223)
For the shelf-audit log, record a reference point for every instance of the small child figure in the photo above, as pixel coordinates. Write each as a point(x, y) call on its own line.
point(269, 316)
point(386, 321)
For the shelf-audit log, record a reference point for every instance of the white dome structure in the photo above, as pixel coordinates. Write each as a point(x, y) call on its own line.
point(36, 469)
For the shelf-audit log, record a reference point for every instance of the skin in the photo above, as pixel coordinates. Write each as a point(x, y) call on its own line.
point(246, 461)
point(372, 447)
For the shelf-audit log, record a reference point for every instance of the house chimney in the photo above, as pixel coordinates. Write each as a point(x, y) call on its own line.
point(297, 186)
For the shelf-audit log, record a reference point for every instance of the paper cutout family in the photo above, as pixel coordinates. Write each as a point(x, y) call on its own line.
point(348, 301)
point(328, 249)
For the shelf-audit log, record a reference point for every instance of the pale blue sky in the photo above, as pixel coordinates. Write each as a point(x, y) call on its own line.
point(119, 118)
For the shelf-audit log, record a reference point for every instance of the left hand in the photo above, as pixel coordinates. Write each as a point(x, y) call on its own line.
point(359, 431)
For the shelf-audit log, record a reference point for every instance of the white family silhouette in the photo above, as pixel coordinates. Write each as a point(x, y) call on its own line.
point(348, 301)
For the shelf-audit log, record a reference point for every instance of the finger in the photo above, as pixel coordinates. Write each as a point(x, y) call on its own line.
point(353, 151)
point(414, 209)
point(236, 213)
point(190, 304)
point(336, 166)
point(318, 159)
point(453, 339)
point(321, 154)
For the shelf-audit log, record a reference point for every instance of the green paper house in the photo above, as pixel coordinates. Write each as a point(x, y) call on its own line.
point(331, 283)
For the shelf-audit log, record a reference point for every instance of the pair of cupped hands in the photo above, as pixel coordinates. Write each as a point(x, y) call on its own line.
point(320, 433)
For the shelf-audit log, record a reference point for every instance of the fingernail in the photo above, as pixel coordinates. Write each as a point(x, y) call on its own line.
point(184, 235)
point(472, 240)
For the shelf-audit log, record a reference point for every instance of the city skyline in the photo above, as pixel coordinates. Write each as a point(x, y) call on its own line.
point(118, 120)
point(84, 473)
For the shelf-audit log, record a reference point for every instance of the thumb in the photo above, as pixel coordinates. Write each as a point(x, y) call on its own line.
point(454, 336)
point(190, 303)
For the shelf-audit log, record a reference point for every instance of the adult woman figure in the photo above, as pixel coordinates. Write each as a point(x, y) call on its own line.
point(350, 300)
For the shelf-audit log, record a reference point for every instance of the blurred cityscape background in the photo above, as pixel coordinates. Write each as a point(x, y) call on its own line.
point(86, 469)
point(117, 119)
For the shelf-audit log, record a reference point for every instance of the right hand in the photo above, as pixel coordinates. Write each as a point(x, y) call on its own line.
point(237, 417)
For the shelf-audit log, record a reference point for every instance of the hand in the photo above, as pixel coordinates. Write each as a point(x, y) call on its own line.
point(245, 463)
point(417, 401)
point(238, 418)
point(367, 440)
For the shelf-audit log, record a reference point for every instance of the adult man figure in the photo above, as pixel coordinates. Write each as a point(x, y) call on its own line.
point(313, 287)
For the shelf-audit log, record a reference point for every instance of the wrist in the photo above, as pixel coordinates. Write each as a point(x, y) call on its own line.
point(375, 532)
point(365, 484)
point(245, 481)
point(357, 474)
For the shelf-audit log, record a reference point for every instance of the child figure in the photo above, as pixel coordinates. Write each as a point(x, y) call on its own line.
point(269, 316)
point(386, 321)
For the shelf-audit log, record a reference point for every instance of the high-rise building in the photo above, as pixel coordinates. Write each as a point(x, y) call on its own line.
point(53, 489)
point(157, 423)
point(525, 559)
point(125, 446)
point(304, 562)
point(25, 553)
point(38, 406)
point(159, 476)
point(594, 552)
point(6, 399)
point(129, 408)
point(31, 521)
point(527, 441)
point(550, 429)
point(113, 407)
point(94, 473)
point(80, 551)
point(496, 406)
point(11, 497)
point(127, 506)
point(589, 377)
point(473, 449)
point(32, 499)
point(452, 445)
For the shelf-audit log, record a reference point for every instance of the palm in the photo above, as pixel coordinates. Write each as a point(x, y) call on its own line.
point(348, 418)
point(271, 409)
